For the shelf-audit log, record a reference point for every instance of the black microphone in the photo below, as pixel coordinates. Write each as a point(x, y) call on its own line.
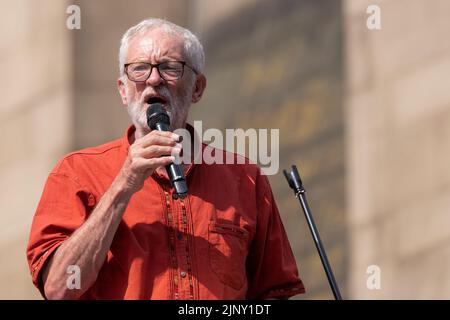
point(158, 119)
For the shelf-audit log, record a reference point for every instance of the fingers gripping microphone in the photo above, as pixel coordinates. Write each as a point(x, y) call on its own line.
point(158, 119)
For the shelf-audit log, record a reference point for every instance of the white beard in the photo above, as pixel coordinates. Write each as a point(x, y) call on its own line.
point(177, 108)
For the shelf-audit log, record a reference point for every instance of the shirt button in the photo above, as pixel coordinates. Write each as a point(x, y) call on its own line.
point(183, 274)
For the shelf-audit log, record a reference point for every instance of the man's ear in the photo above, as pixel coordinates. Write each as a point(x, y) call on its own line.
point(199, 87)
point(122, 91)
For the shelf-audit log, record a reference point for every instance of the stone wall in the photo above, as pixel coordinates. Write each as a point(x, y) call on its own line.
point(398, 133)
point(35, 126)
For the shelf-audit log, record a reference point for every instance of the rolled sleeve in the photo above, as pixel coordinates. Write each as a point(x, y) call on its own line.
point(63, 207)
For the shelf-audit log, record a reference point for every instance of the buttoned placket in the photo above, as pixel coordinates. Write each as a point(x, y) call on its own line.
point(179, 236)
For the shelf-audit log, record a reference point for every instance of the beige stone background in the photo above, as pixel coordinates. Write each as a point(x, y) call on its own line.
point(365, 114)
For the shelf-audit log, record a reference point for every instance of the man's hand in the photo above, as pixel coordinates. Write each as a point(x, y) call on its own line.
point(146, 154)
point(88, 246)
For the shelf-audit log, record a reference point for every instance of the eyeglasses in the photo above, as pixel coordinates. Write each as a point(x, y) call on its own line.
point(168, 70)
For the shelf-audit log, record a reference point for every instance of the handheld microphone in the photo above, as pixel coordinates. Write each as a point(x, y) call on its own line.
point(158, 119)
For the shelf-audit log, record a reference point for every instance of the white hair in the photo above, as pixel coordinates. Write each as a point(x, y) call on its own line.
point(193, 49)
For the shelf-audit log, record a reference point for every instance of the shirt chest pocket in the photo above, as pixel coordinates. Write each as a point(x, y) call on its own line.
point(228, 245)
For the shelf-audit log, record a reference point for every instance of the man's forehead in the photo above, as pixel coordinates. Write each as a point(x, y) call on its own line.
point(156, 41)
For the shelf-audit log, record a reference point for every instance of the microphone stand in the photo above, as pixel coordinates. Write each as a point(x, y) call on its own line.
point(294, 181)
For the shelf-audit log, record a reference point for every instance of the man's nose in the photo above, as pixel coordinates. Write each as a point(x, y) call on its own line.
point(155, 78)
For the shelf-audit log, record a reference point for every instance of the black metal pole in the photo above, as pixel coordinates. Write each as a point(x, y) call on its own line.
point(296, 184)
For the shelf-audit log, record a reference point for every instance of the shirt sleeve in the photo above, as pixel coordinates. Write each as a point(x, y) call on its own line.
point(63, 207)
point(271, 266)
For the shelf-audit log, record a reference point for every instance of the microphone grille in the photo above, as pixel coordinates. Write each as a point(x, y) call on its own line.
point(157, 113)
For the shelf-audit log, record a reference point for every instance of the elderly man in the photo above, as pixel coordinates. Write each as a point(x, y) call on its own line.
point(108, 225)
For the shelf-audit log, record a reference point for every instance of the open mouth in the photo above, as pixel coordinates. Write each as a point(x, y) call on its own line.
point(152, 100)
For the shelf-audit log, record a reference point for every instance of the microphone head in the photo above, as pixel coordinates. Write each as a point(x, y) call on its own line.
point(156, 113)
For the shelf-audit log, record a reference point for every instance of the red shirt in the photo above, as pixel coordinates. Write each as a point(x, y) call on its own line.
point(225, 240)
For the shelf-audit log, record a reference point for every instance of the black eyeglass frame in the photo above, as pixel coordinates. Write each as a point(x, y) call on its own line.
point(183, 63)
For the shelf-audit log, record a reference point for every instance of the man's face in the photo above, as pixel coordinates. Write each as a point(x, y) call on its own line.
point(154, 47)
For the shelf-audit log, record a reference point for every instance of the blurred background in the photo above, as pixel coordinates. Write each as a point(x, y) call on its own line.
point(365, 115)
